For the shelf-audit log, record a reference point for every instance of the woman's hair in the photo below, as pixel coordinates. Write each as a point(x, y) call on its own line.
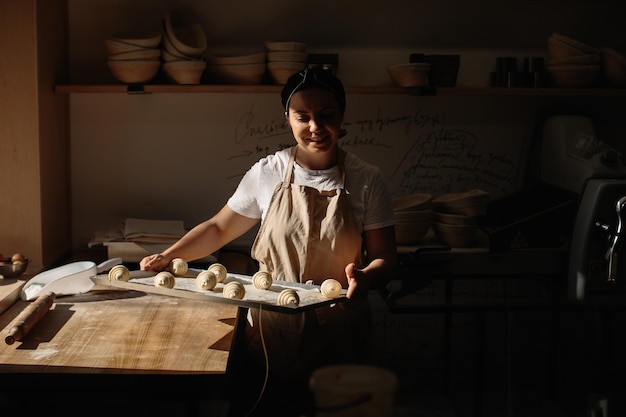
point(313, 78)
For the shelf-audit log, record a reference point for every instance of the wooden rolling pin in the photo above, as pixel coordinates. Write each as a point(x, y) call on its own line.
point(29, 317)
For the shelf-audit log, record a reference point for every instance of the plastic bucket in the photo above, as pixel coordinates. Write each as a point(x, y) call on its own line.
point(353, 391)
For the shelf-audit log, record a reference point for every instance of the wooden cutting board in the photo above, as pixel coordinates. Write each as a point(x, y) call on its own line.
point(11, 290)
point(122, 332)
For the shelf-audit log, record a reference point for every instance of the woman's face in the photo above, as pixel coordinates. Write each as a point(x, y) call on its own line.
point(315, 119)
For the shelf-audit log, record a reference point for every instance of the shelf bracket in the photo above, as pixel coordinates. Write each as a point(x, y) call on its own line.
point(422, 91)
point(135, 89)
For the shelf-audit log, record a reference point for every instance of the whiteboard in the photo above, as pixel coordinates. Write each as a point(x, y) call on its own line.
point(180, 156)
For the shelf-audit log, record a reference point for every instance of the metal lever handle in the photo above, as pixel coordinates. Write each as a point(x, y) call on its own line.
point(615, 244)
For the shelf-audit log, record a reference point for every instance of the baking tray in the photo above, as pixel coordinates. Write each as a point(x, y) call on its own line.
point(185, 287)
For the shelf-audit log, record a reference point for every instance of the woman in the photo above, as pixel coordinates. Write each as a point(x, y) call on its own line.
point(324, 213)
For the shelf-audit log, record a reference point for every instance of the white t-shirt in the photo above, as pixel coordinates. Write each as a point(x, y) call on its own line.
point(365, 186)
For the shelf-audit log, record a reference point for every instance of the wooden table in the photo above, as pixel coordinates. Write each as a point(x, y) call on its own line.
point(153, 346)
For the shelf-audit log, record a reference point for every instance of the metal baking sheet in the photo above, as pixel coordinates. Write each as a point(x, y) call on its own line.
point(185, 287)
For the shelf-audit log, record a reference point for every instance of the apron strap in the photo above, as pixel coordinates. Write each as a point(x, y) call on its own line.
point(289, 172)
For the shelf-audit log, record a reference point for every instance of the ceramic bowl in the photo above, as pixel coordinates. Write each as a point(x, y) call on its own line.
point(258, 58)
point(114, 47)
point(411, 74)
point(411, 233)
point(412, 202)
point(143, 40)
point(286, 56)
point(137, 55)
point(614, 67)
point(289, 46)
point(455, 235)
point(186, 36)
point(13, 270)
point(451, 218)
point(462, 202)
point(574, 76)
point(184, 72)
point(413, 216)
point(281, 71)
point(134, 71)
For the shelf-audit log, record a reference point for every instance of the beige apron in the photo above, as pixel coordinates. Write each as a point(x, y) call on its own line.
point(308, 235)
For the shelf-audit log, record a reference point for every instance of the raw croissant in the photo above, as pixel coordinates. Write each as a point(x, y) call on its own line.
point(206, 280)
point(330, 288)
point(164, 279)
point(178, 267)
point(262, 280)
point(287, 297)
point(119, 273)
point(219, 270)
point(234, 289)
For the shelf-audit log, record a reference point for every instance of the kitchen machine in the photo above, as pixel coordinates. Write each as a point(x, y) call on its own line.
point(572, 158)
point(576, 200)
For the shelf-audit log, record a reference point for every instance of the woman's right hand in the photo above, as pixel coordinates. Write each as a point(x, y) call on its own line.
point(156, 262)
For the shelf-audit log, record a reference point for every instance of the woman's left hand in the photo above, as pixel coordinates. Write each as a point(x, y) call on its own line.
point(357, 282)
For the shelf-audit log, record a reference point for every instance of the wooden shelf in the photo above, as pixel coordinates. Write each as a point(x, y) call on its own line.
point(250, 89)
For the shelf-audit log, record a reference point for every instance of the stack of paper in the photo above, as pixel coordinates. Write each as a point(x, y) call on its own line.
point(136, 238)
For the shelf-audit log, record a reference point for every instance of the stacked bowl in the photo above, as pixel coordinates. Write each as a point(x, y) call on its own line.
point(285, 59)
point(184, 43)
point(455, 216)
point(133, 58)
point(409, 74)
point(248, 69)
point(413, 215)
point(614, 67)
point(572, 63)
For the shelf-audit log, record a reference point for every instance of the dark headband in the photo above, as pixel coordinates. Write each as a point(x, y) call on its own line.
point(313, 78)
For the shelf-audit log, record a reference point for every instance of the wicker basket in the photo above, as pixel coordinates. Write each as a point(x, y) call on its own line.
point(186, 37)
point(413, 216)
point(277, 46)
point(413, 74)
point(281, 71)
point(143, 40)
point(455, 235)
point(614, 67)
point(185, 72)
point(138, 55)
point(114, 47)
point(411, 233)
point(411, 202)
point(574, 75)
point(282, 56)
point(258, 58)
point(134, 72)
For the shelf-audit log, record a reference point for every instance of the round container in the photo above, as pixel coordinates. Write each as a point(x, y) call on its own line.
point(134, 71)
point(280, 46)
point(614, 67)
point(574, 75)
point(281, 71)
point(411, 233)
point(10, 270)
point(353, 391)
point(413, 202)
point(184, 72)
point(413, 74)
point(144, 40)
point(455, 235)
